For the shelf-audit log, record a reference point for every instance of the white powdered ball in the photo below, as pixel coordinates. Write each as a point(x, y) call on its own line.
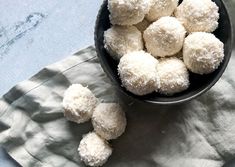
point(94, 150)
point(143, 25)
point(165, 37)
point(120, 40)
point(138, 72)
point(202, 52)
point(109, 120)
point(79, 103)
point(161, 8)
point(198, 15)
point(173, 74)
point(128, 12)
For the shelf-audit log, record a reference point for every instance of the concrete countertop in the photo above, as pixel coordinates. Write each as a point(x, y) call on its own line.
point(35, 33)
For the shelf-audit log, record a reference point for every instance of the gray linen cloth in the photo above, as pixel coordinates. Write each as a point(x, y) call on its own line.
point(199, 133)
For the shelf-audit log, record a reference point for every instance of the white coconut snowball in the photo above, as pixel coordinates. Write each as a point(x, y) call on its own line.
point(120, 40)
point(94, 150)
point(78, 103)
point(109, 120)
point(164, 37)
point(161, 8)
point(138, 72)
point(143, 25)
point(173, 74)
point(202, 52)
point(128, 12)
point(198, 15)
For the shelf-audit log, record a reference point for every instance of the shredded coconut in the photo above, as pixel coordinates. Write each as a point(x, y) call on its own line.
point(164, 37)
point(173, 74)
point(128, 12)
point(138, 72)
point(109, 120)
point(202, 52)
point(198, 15)
point(78, 103)
point(161, 8)
point(120, 40)
point(94, 150)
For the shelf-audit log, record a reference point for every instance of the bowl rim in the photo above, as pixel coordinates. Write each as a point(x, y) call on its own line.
point(197, 94)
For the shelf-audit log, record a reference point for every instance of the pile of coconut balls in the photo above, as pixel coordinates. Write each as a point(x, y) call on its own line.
point(108, 120)
point(157, 43)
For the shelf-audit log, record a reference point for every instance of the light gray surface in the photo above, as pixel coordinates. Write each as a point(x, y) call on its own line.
point(35, 33)
point(199, 133)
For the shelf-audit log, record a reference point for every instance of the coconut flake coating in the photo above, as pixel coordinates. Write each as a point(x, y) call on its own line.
point(128, 12)
point(198, 15)
point(138, 72)
point(161, 8)
point(164, 37)
point(202, 52)
point(109, 120)
point(78, 103)
point(94, 150)
point(173, 74)
point(120, 40)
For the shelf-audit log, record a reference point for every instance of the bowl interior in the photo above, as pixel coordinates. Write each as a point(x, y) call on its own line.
point(198, 83)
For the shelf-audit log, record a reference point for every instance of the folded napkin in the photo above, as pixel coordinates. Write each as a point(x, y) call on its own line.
point(199, 133)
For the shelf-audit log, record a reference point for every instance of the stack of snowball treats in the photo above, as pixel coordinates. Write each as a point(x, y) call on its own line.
point(157, 41)
point(108, 120)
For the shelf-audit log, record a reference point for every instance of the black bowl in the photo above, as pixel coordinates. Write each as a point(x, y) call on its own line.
point(199, 83)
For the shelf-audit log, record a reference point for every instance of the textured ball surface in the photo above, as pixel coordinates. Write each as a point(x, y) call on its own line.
point(164, 37)
point(128, 12)
point(78, 103)
point(109, 120)
point(138, 72)
point(94, 150)
point(120, 40)
point(161, 8)
point(198, 15)
point(173, 74)
point(202, 52)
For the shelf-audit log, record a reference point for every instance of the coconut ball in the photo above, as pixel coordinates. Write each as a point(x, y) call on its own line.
point(128, 12)
point(164, 37)
point(94, 150)
point(143, 25)
point(173, 74)
point(198, 15)
point(109, 120)
point(138, 72)
point(161, 8)
point(78, 103)
point(120, 40)
point(202, 52)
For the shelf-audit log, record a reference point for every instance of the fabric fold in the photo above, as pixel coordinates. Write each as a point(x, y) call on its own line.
point(199, 133)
